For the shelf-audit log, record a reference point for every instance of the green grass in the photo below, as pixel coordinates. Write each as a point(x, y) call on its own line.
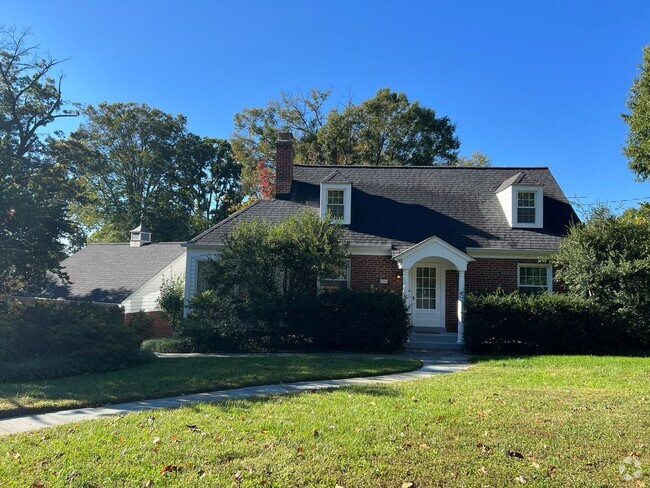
point(168, 377)
point(566, 421)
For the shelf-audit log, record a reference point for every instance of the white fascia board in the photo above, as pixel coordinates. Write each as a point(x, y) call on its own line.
point(370, 250)
point(483, 253)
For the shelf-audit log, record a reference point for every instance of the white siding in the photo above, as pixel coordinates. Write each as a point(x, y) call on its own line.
point(144, 298)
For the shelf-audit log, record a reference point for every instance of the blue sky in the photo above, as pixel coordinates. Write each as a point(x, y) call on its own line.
point(527, 83)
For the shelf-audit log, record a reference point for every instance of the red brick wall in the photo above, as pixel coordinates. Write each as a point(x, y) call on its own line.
point(366, 271)
point(283, 165)
point(159, 326)
point(451, 301)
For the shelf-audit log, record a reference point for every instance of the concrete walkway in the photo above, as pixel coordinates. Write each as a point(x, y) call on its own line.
point(443, 363)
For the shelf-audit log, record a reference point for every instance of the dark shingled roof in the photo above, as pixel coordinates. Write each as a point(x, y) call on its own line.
point(110, 273)
point(401, 206)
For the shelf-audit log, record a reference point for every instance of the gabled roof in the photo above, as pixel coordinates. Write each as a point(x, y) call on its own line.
point(518, 179)
point(400, 206)
point(335, 177)
point(271, 211)
point(110, 273)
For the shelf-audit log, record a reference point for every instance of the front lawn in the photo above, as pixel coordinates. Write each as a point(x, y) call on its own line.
point(559, 421)
point(169, 377)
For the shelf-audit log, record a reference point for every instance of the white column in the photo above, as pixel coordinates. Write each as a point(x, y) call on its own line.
point(461, 303)
point(406, 287)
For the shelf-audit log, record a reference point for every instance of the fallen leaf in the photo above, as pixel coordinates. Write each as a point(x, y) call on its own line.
point(483, 470)
point(424, 446)
point(484, 447)
point(552, 471)
point(300, 449)
point(521, 479)
point(514, 454)
point(156, 440)
point(170, 468)
point(37, 484)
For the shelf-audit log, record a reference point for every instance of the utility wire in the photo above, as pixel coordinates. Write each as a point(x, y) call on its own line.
point(608, 201)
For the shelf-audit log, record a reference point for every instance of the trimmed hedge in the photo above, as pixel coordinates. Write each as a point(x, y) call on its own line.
point(48, 339)
point(170, 344)
point(541, 323)
point(359, 321)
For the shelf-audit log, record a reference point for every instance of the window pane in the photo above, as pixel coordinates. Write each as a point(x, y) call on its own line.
point(425, 288)
point(201, 283)
point(533, 279)
point(526, 215)
point(337, 279)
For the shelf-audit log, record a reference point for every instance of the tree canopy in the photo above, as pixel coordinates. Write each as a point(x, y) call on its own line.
point(387, 129)
point(607, 259)
point(35, 190)
point(137, 164)
point(637, 148)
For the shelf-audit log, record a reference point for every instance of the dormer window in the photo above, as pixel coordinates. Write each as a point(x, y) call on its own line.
point(522, 201)
point(526, 207)
point(336, 198)
point(336, 203)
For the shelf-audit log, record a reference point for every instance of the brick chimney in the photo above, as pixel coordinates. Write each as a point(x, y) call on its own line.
point(283, 163)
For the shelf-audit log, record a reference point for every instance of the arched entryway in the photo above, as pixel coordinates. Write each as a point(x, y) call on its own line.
point(424, 271)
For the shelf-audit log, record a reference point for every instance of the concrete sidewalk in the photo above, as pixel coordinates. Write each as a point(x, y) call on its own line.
point(430, 367)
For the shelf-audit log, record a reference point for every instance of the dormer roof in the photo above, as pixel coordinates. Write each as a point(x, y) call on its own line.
point(335, 177)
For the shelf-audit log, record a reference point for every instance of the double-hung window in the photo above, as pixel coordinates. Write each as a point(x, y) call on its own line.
point(336, 203)
point(535, 279)
point(526, 207)
point(337, 279)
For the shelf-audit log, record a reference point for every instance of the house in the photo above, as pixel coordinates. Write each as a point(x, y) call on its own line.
point(431, 233)
point(121, 274)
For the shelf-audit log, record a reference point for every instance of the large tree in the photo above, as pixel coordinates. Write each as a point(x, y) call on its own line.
point(210, 179)
point(35, 191)
point(637, 149)
point(137, 164)
point(123, 156)
point(387, 129)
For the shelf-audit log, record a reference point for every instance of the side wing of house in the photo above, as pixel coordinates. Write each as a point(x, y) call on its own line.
point(144, 298)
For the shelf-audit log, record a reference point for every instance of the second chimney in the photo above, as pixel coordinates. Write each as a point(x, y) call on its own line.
point(283, 163)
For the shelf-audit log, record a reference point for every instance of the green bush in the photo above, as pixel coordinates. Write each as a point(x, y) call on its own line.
point(364, 321)
point(540, 323)
point(170, 344)
point(171, 300)
point(49, 339)
point(361, 321)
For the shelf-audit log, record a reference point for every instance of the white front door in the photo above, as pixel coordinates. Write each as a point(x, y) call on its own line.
point(426, 292)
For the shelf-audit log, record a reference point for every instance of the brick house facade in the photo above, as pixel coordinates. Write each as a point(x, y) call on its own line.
point(430, 233)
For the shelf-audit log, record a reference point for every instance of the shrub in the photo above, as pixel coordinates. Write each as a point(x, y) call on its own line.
point(170, 344)
point(541, 323)
point(364, 321)
point(170, 300)
point(361, 321)
point(70, 338)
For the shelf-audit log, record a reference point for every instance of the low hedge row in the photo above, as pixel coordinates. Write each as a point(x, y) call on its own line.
point(359, 321)
point(541, 323)
point(48, 339)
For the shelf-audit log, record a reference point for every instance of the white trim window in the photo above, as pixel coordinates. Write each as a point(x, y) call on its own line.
point(338, 280)
point(336, 200)
point(336, 203)
point(526, 207)
point(201, 281)
point(534, 278)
